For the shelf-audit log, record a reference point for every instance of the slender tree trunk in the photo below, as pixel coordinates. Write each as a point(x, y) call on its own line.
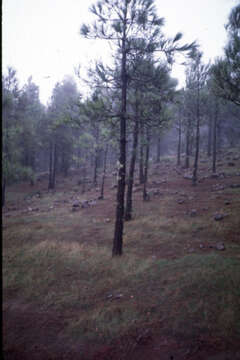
point(50, 166)
point(145, 194)
point(104, 172)
point(54, 164)
point(179, 142)
point(128, 213)
point(215, 137)
point(210, 135)
point(195, 168)
point(96, 158)
point(3, 191)
point(187, 145)
point(32, 162)
point(95, 169)
point(83, 179)
point(141, 171)
point(119, 223)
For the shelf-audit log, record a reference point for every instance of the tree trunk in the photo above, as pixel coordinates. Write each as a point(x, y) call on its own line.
point(210, 135)
point(179, 142)
point(195, 168)
point(215, 137)
point(219, 135)
point(128, 213)
point(145, 194)
point(187, 145)
point(95, 168)
point(3, 191)
point(50, 167)
point(104, 172)
point(32, 164)
point(141, 172)
point(119, 223)
point(54, 164)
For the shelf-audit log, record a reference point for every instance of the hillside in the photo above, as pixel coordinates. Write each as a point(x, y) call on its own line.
point(173, 294)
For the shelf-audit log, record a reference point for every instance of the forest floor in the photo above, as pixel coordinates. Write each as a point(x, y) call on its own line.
point(173, 294)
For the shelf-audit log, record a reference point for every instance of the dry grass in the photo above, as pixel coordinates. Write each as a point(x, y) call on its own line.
point(61, 261)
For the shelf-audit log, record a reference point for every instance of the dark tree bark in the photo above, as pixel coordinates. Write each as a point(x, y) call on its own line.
point(96, 159)
point(52, 166)
point(141, 171)
point(95, 169)
point(210, 136)
point(179, 142)
point(195, 167)
point(3, 191)
point(119, 223)
point(158, 149)
point(33, 167)
point(128, 213)
point(187, 144)
point(219, 135)
point(145, 194)
point(104, 172)
point(215, 137)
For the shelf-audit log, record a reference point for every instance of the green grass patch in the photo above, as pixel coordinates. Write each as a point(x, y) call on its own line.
point(61, 261)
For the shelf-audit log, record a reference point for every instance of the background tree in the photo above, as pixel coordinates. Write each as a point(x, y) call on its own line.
point(126, 23)
point(196, 78)
point(226, 70)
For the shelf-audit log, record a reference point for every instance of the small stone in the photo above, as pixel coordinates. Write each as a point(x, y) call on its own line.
point(107, 220)
point(118, 296)
point(180, 201)
point(220, 246)
point(201, 246)
point(189, 177)
point(76, 204)
point(227, 202)
point(218, 217)
point(235, 186)
point(156, 192)
point(193, 213)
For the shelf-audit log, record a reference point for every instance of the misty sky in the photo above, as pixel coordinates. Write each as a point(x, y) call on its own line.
point(41, 37)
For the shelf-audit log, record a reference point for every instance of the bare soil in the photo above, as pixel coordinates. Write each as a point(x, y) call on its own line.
point(31, 333)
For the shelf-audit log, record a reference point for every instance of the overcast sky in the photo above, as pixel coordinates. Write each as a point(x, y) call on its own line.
point(41, 37)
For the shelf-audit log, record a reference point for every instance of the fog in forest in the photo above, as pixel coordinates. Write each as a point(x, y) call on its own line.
point(125, 161)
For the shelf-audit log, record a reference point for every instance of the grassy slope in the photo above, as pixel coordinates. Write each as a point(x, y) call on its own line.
point(61, 261)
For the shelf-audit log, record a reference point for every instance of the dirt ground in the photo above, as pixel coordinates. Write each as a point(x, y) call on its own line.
point(23, 340)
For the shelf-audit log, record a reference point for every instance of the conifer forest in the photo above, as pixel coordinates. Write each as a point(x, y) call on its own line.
point(121, 208)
